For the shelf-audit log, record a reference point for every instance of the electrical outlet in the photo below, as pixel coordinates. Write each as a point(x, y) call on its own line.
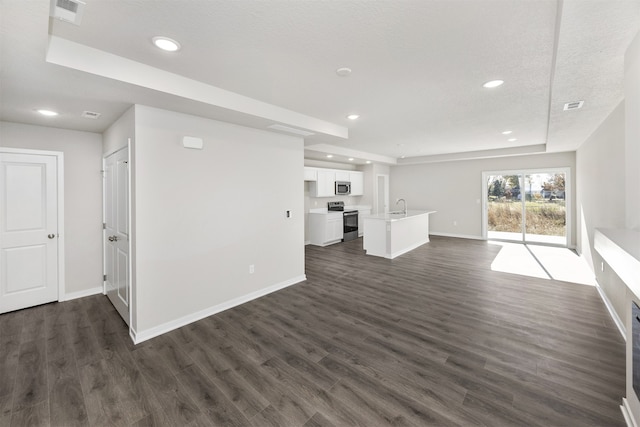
point(252, 269)
point(288, 214)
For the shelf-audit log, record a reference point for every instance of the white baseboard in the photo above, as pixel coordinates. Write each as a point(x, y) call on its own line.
point(81, 294)
point(141, 336)
point(612, 312)
point(457, 236)
point(627, 414)
point(404, 251)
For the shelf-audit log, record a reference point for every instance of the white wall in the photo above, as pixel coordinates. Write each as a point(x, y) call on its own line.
point(454, 189)
point(82, 192)
point(632, 133)
point(601, 201)
point(600, 183)
point(116, 136)
point(203, 216)
point(632, 190)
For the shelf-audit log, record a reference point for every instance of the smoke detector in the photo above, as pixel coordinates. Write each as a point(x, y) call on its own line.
point(573, 105)
point(67, 10)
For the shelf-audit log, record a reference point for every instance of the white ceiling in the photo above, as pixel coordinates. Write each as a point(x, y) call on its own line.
point(418, 69)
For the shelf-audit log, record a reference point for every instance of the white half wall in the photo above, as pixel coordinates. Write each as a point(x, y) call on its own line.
point(203, 217)
point(83, 197)
point(454, 189)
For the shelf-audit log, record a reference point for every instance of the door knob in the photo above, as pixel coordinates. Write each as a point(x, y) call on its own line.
point(51, 236)
point(113, 238)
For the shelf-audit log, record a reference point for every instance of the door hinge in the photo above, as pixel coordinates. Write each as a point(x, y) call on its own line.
point(104, 225)
point(104, 277)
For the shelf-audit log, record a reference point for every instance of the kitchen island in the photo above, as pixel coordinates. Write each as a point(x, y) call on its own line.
point(392, 234)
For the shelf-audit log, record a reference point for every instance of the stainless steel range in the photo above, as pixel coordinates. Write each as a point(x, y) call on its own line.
point(350, 220)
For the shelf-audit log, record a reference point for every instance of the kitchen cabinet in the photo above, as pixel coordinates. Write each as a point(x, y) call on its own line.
point(325, 185)
point(322, 182)
point(361, 214)
point(357, 183)
point(343, 176)
point(325, 228)
point(310, 174)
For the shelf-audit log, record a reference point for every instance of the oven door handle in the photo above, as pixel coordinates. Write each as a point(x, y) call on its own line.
point(351, 213)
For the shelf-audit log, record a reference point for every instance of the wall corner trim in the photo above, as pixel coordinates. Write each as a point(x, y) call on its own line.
point(627, 414)
point(145, 335)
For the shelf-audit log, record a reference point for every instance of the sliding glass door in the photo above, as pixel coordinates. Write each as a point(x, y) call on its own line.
point(526, 206)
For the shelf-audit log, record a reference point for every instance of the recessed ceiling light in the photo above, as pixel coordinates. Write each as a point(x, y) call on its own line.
point(329, 156)
point(368, 162)
point(165, 43)
point(402, 157)
point(351, 159)
point(493, 83)
point(507, 132)
point(48, 113)
point(343, 72)
point(353, 116)
point(512, 139)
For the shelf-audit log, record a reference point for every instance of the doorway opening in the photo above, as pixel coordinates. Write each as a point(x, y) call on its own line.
point(527, 206)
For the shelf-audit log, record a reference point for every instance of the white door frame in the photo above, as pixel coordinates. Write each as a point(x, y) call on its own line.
point(60, 209)
point(568, 195)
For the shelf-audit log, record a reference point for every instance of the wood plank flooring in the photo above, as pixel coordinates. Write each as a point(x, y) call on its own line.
point(433, 337)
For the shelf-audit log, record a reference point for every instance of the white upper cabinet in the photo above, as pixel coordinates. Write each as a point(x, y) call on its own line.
point(325, 185)
point(357, 183)
point(310, 174)
point(322, 182)
point(342, 175)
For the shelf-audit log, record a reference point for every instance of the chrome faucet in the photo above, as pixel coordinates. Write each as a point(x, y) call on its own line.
point(404, 210)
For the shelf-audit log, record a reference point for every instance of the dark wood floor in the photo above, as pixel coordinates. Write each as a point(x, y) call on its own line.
point(433, 337)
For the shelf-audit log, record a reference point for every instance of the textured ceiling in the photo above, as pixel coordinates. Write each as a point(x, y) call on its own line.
point(418, 67)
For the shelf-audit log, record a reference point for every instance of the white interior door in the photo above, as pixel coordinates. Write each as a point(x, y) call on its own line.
point(28, 230)
point(116, 239)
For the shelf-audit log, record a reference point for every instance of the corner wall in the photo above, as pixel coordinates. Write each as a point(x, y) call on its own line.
point(600, 197)
point(202, 217)
point(83, 198)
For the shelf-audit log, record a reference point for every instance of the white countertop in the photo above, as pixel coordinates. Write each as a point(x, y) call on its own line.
point(346, 208)
point(397, 217)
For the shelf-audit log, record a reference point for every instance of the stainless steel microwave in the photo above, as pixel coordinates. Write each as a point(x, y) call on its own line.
point(343, 187)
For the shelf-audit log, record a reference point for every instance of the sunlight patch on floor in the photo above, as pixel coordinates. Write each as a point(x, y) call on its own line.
point(544, 262)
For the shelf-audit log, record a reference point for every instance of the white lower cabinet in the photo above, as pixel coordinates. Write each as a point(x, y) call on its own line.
point(325, 229)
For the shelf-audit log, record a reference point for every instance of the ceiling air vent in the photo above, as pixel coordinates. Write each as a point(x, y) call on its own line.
point(573, 105)
point(90, 115)
point(67, 10)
